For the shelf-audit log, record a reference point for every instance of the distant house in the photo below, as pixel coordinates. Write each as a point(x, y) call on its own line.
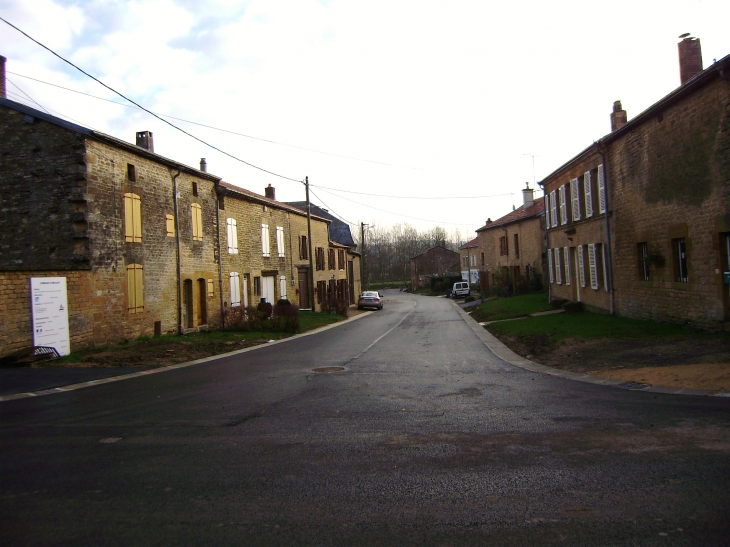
point(470, 261)
point(512, 247)
point(437, 261)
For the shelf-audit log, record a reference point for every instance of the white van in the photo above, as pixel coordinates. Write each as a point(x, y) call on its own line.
point(460, 289)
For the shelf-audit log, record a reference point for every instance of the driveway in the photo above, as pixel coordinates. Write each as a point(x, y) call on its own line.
point(413, 433)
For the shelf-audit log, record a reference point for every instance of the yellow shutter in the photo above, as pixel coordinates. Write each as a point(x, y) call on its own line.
point(135, 288)
point(197, 222)
point(132, 218)
point(170, 222)
point(211, 288)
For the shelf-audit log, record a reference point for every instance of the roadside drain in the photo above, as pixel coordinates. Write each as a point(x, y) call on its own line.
point(328, 369)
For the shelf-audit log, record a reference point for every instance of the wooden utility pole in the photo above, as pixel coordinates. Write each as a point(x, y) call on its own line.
point(362, 250)
point(309, 243)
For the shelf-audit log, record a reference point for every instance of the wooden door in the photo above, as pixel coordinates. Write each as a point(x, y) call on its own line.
point(202, 303)
point(303, 282)
point(188, 318)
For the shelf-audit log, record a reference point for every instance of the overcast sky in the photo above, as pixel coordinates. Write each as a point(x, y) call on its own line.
point(409, 98)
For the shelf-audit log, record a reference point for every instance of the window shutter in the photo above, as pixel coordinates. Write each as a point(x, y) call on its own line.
point(588, 188)
point(135, 288)
point(563, 206)
point(280, 240)
point(592, 265)
point(211, 288)
point(547, 211)
point(282, 287)
point(575, 198)
point(581, 268)
point(132, 218)
point(558, 273)
point(605, 268)
point(553, 210)
point(601, 191)
point(235, 289)
point(550, 264)
point(232, 232)
point(170, 225)
point(265, 250)
point(197, 222)
point(566, 257)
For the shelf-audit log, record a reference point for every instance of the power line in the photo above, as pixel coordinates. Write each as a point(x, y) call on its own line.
point(412, 197)
point(31, 98)
point(143, 108)
point(329, 209)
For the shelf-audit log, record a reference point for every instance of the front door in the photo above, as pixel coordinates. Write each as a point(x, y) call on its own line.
point(188, 319)
point(351, 281)
point(267, 288)
point(202, 303)
point(303, 281)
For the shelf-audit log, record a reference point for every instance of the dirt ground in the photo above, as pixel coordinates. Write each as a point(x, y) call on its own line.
point(702, 363)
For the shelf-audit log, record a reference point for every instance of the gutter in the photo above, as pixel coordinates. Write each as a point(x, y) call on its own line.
point(609, 258)
point(177, 247)
point(547, 246)
point(219, 191)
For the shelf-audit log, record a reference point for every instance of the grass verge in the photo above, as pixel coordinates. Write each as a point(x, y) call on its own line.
point(511, 307)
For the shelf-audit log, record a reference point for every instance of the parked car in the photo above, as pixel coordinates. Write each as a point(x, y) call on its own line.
point(370, 299)
point(460, 289)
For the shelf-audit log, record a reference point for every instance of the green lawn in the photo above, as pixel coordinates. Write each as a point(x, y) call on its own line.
point(309, 320)
point(587, 326)
point(510, 307)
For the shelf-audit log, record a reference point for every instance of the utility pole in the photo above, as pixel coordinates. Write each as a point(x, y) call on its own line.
point(309, 243)
point(362, 245)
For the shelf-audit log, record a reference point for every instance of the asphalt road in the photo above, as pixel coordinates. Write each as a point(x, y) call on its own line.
point(425, 438)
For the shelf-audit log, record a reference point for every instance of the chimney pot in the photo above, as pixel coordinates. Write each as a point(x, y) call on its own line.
point(270, 192)
point(2, 77)
point(690, 58)
point(618, 116)
point(203, 165)
point(144, 140)
point(528, 197)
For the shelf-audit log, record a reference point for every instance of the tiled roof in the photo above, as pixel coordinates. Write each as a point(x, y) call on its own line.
point(267, 201)
point(339, 230)
point(470, 244)
point(536, 209)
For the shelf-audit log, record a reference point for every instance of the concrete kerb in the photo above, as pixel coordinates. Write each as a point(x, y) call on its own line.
point(509, 356)
point(121, 377)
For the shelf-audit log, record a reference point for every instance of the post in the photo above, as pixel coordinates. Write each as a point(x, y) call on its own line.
point(362, 250)
point(309, 243)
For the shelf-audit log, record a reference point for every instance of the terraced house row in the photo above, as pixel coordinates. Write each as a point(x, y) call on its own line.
point(147, 245)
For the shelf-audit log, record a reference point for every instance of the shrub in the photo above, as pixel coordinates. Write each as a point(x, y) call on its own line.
point(335, 305)
point(266, 308)
point(469, 299)
point(286, 317)
point(573, 307)
point(557, 303)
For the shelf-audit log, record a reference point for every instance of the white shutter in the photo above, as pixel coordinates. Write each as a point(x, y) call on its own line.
point(550, 264)
point(280, 240)
point(553, 210)
point(575, 198)
point(265, 240)
point(282, 287)
point(235, 289)
point(232, 233)
point(245, 291)
point(547, 211)
point(601, 191)
point(558, 276)
point(605, 268)
point(563, 206)
point(592, 265)
point(587, 187)
point(566, 256)
point(581, 268)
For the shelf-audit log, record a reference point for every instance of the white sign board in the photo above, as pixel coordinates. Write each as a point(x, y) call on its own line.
point(49, 306)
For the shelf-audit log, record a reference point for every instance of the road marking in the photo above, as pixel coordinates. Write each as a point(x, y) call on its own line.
point(398, 324)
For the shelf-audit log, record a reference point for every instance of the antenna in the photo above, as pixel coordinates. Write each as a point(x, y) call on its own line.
point(534, 183)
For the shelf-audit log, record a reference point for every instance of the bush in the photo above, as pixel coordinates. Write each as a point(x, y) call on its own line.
point(286, 317)
point(335, 305)
point(469, 299)
point(266, 308)
point(262, 318)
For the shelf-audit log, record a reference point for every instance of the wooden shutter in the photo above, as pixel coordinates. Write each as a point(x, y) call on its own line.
point(553, 210)
point(566, 257)
point(197, 215)
point(132, 218)
point(547, 211)
point(587, 188)
point(581, 268)
point(280, 240)
point(170, 225)
point(575, 198)
point(592, 265)
point(135, 288)
point(282, 287)
point(232, 233)
point(235, 289)
point(210, 288)
point(563, 205)
point(605, 268)
point(550, 264)
point(265, 247)
point(601, 190)
point(558, 274)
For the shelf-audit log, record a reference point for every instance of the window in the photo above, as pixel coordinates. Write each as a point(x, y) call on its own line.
point(558, 273)
point(679, 254)
point(593, 265)
point(195, 189)
point(170, 225)
point(575, 198)
point(588, 190)
point(463, 261)
point(232, 233)
point(605, 267)
point(482, 259)
point(210, 292)
point(517, 246)
point(474, 260)
point(601, 190)
point(563, 205)
point(282, 287)
point(235, 279)
point(581, 269)
point(550, 264)
point(257, 286)
point(131, 173)
point(566, 258)
point(341, 259)
point(553, 210)
point(321, 291)
point(132, 218)
point(303, 248)
point(135, 288)
point(319, 257)
point(547, 211)
point(643, 255)
point(265, 247)
point(503, 246)
point(197, 222)
point(280, 241)
point(330, 259)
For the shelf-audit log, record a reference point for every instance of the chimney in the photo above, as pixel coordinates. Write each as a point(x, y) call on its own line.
point(144, 140)
point(528, 196)
point(203, 165)
point(270, 192)
point(2, 77)
point(618, 116)
point(690, 57)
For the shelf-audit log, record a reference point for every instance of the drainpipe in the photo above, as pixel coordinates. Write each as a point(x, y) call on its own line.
point(177, 246)
point(219, 192)
point(547, 245)
point(609, 259)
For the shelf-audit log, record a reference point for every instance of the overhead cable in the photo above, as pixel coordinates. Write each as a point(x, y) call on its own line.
point(411, 197)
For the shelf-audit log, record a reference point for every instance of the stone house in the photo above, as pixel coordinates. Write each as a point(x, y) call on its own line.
point(436, 261)
point(510, 249)
point(658, 242)
point(469, 252)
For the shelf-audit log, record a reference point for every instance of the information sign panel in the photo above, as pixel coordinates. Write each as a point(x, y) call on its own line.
point(49, 306)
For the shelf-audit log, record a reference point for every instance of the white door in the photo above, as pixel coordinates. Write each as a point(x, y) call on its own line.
point(267, 289)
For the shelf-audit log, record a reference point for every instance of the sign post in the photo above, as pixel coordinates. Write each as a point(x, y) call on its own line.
point(49, 307)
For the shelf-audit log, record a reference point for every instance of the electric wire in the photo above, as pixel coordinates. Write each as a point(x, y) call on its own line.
point(411, 197)
point(31, 98)
point(329, 209)
point(146, 110)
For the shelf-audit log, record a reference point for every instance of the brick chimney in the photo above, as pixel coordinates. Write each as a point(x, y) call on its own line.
point(2, 77)
point(270, 192)
point(144, 140)
point(690, 57)
point(618, 116)
point(528, 196)
point(203, 165)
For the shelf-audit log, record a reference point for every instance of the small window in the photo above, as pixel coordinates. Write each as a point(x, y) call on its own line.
point(341, 259)
point(265, 245)
point(319, 256)
point(197, 218)
point(303, 248)
point(601, 190)
point(170, 225)
point(517, 246)
point(132, 218)
point(135, 288)
point(679, 254)
point(257, 286)
point(550, 265)
point(588, 192)
point(643, 256)
point(593, 265)
point(482, 259)
point(330, 259)
point(232, 236)
point(280, 241)
point(553, 210)
point(575, 198)
point(195, 189)
point(566, 258)
point(563, 205)
point(210, 288)
point(581, 268)
point(558, 273)
point(503, 246)
point(321, 291)
point(131, 173)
